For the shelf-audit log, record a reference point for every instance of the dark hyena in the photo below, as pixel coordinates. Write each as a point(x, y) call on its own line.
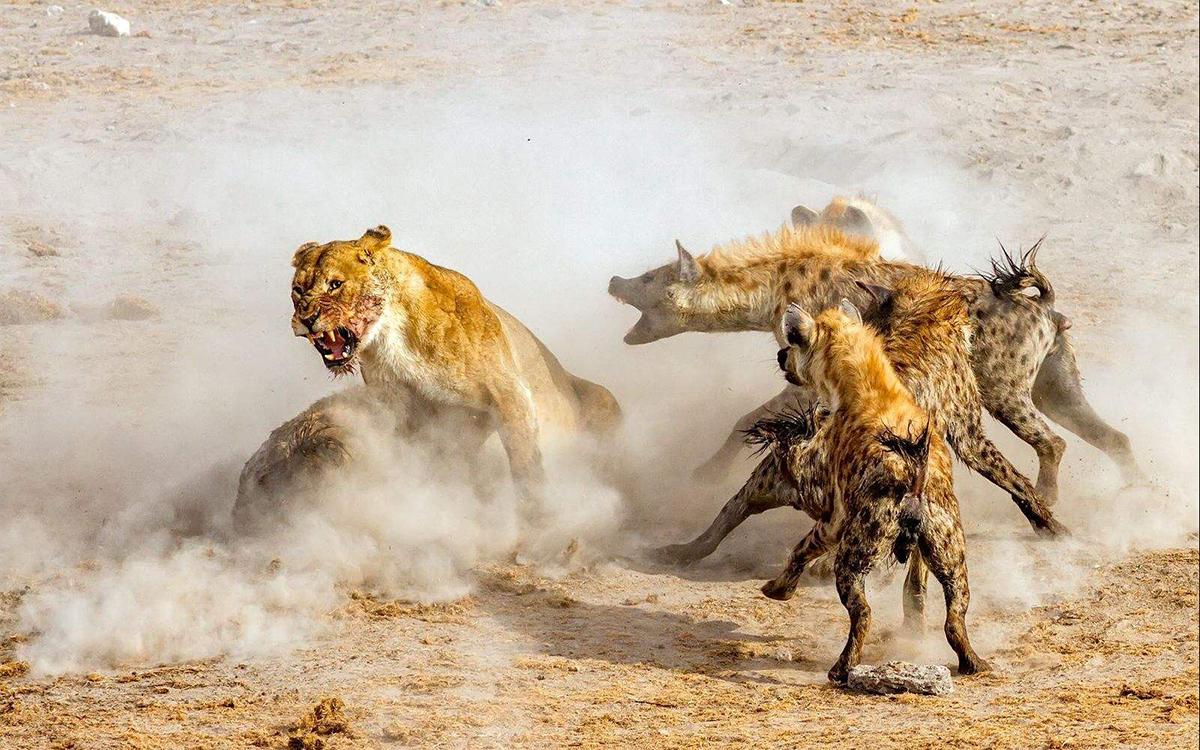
point(924, 326)
point(1022, 358)
point(875, 475)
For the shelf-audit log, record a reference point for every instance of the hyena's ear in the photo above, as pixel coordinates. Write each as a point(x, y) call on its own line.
point(796, 327)
point(374, 241)
point(853, 221)
point(850, 310)
point(880, 296)
point(302, 253)
point(688, 268)
point(803, 216)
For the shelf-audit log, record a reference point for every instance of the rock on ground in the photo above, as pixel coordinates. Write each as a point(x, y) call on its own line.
point(105, 23)
point(130, 307)
point(901, 677)
point(21, 306)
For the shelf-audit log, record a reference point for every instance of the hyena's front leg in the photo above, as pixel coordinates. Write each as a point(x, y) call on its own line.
point(1058, 393)
point(944, 547)
point(767, 488)
point(792, 398)
point(852, 592)
point(814, 544)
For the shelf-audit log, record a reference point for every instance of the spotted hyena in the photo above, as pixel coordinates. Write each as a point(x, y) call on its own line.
point(925, 329)
point(875, 474)
point(1021, 355)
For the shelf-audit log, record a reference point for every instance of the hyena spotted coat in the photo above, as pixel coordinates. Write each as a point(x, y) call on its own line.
point(1022, 358)
point(925, 328)
point(875, 475)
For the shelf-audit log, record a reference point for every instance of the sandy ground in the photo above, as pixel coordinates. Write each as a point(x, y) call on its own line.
point(1075, 118)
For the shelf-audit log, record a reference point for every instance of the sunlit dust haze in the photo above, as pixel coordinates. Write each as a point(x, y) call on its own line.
point(120, 468)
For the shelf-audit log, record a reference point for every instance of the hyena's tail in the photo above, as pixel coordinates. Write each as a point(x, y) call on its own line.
point(783, 429)
point(914, 450)
point(1012, 273)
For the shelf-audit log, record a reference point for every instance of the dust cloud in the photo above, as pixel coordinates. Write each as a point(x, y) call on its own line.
point(121, 467)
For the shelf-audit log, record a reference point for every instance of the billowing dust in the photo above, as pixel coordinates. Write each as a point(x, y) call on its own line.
point(147, 354)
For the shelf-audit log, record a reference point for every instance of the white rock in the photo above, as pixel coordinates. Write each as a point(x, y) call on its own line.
point(107, 24)
point(54, 11)
point(901, 677)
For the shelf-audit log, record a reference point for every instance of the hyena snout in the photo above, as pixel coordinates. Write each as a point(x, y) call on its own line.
point(619, 288)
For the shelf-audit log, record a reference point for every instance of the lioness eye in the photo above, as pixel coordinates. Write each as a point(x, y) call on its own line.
point(334, 284)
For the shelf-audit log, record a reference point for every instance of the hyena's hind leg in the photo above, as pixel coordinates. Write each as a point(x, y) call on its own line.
point(768, 487)
point(1013, 407)
point(943, 546)
point(815, 544)
point(915, 584)
point(981, 455)
point(790, 398)
point(1058, 393)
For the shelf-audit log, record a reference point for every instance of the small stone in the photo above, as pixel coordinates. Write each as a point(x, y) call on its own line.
point(22, 306)
point(54, 11)
point(104, 23)
point(40, 249)
point(901, 677)
point(130, 307)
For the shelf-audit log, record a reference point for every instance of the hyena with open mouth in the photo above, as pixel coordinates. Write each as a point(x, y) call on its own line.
point(924, 328)
point(1020, 353)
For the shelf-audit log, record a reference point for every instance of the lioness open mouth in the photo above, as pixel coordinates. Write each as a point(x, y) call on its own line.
point(337, 346)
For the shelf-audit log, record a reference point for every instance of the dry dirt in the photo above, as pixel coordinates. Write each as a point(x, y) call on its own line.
point(1083, 115)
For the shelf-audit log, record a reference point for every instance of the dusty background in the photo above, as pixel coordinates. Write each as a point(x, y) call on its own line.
point(152, 190)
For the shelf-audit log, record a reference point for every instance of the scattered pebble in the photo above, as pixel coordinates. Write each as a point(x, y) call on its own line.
point(104, 23)
point(40, 249)
point(22, 306)
point(130, 307)
point(901, 677)
point(54, 11)
point(326, 718)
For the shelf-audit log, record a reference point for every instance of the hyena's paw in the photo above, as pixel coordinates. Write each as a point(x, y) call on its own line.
point(675, 554)
point(976, 665)
point(1051, 527)
point(839, 673)
point(780, 589)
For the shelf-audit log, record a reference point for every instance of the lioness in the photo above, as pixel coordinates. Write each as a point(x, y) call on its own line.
point(415, 327)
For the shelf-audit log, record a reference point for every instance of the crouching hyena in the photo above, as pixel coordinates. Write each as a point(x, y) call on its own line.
point(876, 476)
point(924, 326)
point(1021, 356)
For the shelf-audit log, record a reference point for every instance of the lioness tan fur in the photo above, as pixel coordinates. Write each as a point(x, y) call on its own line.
point(427, 331)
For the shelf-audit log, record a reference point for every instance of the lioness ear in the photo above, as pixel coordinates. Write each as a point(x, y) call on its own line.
point(850, 310)
point(689, 269)
point(803, 216)
point(796, 326)
point(853, 221)
point(302, 252)
point(373, 241)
